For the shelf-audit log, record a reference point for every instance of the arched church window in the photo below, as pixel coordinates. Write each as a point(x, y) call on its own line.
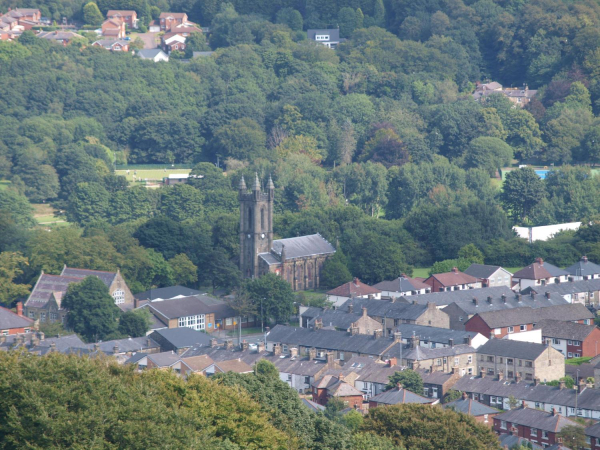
point(262, 219)
point(250, 227)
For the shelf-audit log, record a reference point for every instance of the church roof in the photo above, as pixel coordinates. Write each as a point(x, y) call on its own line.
point(302, 246)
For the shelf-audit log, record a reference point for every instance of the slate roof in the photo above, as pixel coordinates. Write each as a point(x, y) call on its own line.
point(385, 308)
point(191, 306)
point(149, 53)
point(298, 366)
point(525, 315)
point(402, 284)
point(334, 34)
point(108, 43)
point(198, 363)
point(46, 286)
point(584, 370)
point(370, 370)
point(336, 319)
point(106, 277)
point(164, 359)
point(583, 267)
point(567, 288)
point(354, 288)
point(541, 420)
point(181, 337)
point(465, 295)
point(512, 441)
point(453, 278)
point(234, 365)
point(436, 377)
point(593, 430)
point(9, 319)
point(313, 406)
point(166, 15)
point(420, 353)
point(512, 349)
point(399, 396)
point(483, 304)
point(481, 271)
point(339, 388)
point(470, 406)
point(539, 270)
point(126, 345)
point(564, 330)
point(435, 334)
point(329, 340)
point(302, 246)
point(59, 35)
point(167, 293)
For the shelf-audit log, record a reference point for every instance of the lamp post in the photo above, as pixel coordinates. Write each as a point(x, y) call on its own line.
point(262, 327)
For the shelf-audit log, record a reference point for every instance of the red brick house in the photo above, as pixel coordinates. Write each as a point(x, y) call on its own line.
point(112, 45)
point(592, 436)
point(539, 427)
point(114, 28)
point(502, 322)
point(170, 20)
point(14, 323)
point(571, 339)
point(352, 289)
point(334, 386)
point(452, 281)
point(129, 17)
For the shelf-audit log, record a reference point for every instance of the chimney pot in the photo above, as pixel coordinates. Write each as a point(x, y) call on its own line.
point(540, 261)
point(451, 342)
point(561, 384)
point(455, 269)
point(364, 312)
point(350, 308)
point(584, 259)
point(20, 309)
point(489, 299)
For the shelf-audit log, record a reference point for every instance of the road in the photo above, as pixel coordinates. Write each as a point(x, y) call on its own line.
point(149, 39)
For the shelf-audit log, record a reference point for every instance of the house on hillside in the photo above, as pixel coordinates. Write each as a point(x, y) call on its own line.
point(330, 38)
point(44, 302)
point(435, 337)
point(15, 323)
point(168, 20)
point(355, 323)
point(112, 45)
point(402, 286)
point(514, 360)
point(452, 281)
point(352, 289)
point(331, 386)
point(399, 396)
point(584, 270)
point(153, 54)
point(490, 276)
point(114, 28)
point(459, 358)
point(573, 340)
point(62, 37)
point(540, 273)
point(519, 96)
point(483, 414)
point(129, 17)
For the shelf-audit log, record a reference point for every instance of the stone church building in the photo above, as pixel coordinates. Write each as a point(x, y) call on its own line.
point(298, 260)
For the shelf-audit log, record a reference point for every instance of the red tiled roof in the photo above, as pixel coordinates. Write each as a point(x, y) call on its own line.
point(354, 288)
point(453, 278)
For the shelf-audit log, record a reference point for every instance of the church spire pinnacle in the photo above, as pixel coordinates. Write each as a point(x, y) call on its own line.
point(242, 185)
point(256, 186)
point(270, 185)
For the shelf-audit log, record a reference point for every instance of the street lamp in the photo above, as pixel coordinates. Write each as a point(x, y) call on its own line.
point(262, 327)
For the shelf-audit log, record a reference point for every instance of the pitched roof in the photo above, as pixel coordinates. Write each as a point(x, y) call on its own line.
point(299, 247)
point(122, 12)
point(583, 267)
point(385, 308)
point(167, 292)
point(466, 295)
point(402, 284)
point(539, 270)
point(436, 377)
point(569, 288)
point(108, 43)
point(191, 306)
point(334, 34)
point(198, 363)
point(453, 278)
point(338, 319)
point(313, 406)
point(166, 15)
point(470, 406)
point(399, 396)
point(512, 441)
point(329, 340)
point(336, 386)
point(435, 334)
point(354, 288)
point(525, 315)
point(126, 345)
point(164, 359)
point(106, 277)
point(481, 271)
point(181, 337)
point(512, 349)
point(149, 53)
point(593, 430)
point(564, 330)
point(541, 420)
point(420, 353)
point(9, 319)
point(234, 365)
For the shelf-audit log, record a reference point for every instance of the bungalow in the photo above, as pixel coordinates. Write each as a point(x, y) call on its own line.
point(153, 54)
point(490, 275)
point(573, 340)
point(15, 323)
point(480, 412)
point(399, 396)
point(402, 287)
point(515, 360)
point(537, 426)
point(539, 273)
point(584, 270)
point(500, 323)
point(352, 289)
point(452, 281)
point(330, 38)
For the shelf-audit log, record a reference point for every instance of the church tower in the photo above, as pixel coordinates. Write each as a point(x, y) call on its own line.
point(256, 224)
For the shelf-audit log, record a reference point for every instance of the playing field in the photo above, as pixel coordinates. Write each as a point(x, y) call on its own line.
point(150, 175)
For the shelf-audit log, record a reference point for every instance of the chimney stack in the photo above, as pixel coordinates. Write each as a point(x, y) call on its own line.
point(96, 347)
point(364, 312)
point(504, 298)
point(148, 342)
point(293, 352)
point(276, 349)
point(536, 381)
point(455, 269)
point(213, 343)
point(260, 347)
point(465, 396)
point(519, 298)
point(489, 299)
point(330, 360)
point(53, 347)
point(312, 353)
point(451, 342)
point(229, 344)
point(397, 336)
point(244, 346)
point(355, 281)
point(41, 335)
point(341, 377)
point(377, 334)
point(482, 373)
point(547, 294)
point(500, 376)
point(116, 349)
point(561, 384)
point(20, 309)
point(540, 261)
point(475, 301)
point(584, 259)
point(350, 308)
point(392, 362)
point(518, 377)
point(318, 323)
point(554, 412)
point(414, 342)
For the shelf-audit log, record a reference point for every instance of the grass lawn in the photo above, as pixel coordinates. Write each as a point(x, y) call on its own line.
point(578, 361)
point(4, 184)
point(513, 269)
point(44, 214)
point(421, 273)
point(154, 175)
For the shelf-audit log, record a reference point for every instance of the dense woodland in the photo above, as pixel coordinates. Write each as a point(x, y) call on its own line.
point(377, 145)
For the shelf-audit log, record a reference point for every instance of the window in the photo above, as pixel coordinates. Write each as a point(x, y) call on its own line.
point(576, 343)
point(31, 315)
point(500, 360)
point(53, 316)
point(534, 432)
point(341, 356)
point(523, 327)
point(490, 359)
point(510, 374)
point(193, 322)
point(509, 361)
point(456, 361)
point(528, 376)
point(556, 341)
point(426, 392)
point(434, 392)
point(469, 359)
point(470, 371)
point(576, 355)
point(544, 434)
point(476, 396)
point(119, 296)
point(321, 37)
point(229, 321)
point(4, 333)
point(490, 371)
point(569, 342)
point(497, 331)
point(42, 317)
point(538, 405)
point(396, 322)
point(438, 361)
point(528, 363)
point(570, 355)
point(510, 329)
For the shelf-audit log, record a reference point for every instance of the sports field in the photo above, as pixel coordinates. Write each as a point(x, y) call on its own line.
point(150, 174)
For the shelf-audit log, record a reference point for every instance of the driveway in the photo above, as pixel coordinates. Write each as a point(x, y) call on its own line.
point(149, 39)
